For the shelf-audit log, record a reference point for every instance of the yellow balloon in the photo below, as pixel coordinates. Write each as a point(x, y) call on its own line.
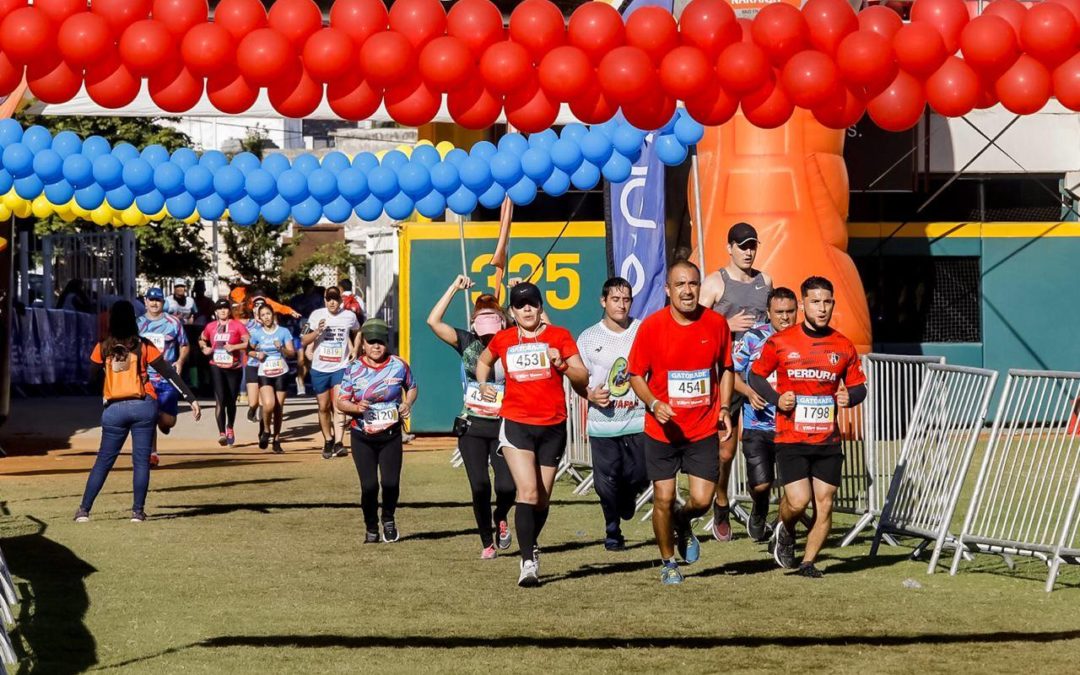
point(193, 218)
point(131, 215)
point(5, 212)
point(379, 154)
point(79, 211)
point(424, 141)
point(160, 215)
point(67, 216)
point(444, 148)
point(41, 207)
point(23, 209)
point(407, 149)
point(12, 200)
point(102, 215)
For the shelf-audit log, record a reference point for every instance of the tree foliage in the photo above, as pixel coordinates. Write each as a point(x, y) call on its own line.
point(335, 256)
point(257, 252)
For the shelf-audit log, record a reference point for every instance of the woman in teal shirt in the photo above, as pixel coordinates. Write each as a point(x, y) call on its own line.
point(271, 344)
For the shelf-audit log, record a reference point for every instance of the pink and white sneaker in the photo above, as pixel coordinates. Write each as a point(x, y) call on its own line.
point(489, 553)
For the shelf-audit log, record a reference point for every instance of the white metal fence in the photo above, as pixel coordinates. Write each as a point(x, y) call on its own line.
point(8, 599)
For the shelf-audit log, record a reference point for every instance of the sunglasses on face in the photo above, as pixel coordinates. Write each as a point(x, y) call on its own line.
point(525, 303)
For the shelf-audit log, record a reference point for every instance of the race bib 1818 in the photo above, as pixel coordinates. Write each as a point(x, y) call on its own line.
point(689, 388)
point(528, 362)
point(815, 414)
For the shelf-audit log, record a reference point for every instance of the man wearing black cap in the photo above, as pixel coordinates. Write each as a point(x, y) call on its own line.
point(741, 294)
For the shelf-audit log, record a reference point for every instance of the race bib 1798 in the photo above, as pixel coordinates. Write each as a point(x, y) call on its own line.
point(815, 414)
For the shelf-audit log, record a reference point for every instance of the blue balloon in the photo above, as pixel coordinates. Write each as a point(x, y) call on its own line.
point(154, 155)
point(29, 187)
point(669, 127)
point(169, 179)
point(400, 207)
point(557, 183)
point(370, 209)
point(180, 206)
point(365, 161)
point(544, 140)
point(59, 192)
point(120, 198)
point(670, 151)
point(432, 206)
point(199, 182)
point(462, 202)
point(37, 138)
point(185, 158)
point(244, 211)
point(260, 186)
point(151, 202)
point(6, 181)
point(305, 163)
point(395, 159)
point(211, 207)
point(596, 147)
point(414, 179)
point(608, 128)
point(575, 131)
point(566, 155)
point(322, 185)
point(456, 157)
point(627, 140)
point(492, 197)
point(213, 160)
point(138, 175)
point(475, 174)
point(245, 162)
point(687, 130)
point(307, 212)
point(523, 193)
point(513, 143)
point(95, 146)
point(383, 183)
point(617, 169)
point(10, 132)
point(352, 184)
point(335, 161)
point(49, 166)
point(484, 150)
point(228, 183)
point(338, 211)
point(506, 168)
point(276, 164)
point(67, 143)
point(125, 152)
point(586, 177)
point(108, 172)
point(18, 160)
point(79, 171)
point(292, 186)
point(445, 178)
point(426, 155)
point(536, 163)
point(90, 197)
point(276, 211)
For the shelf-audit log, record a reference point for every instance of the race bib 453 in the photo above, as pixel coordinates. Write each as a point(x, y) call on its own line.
point(528, 362)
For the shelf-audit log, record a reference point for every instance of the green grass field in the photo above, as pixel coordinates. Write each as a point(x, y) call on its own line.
point(255, 565)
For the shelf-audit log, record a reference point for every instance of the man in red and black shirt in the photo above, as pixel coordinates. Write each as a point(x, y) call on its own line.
point(680, 368)
point(811, 362)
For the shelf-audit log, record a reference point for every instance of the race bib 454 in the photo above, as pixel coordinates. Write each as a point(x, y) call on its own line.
point(689, 388)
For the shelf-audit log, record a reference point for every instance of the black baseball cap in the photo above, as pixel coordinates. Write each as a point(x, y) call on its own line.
point(223, 304)
point(525, 293)
point(741, 233)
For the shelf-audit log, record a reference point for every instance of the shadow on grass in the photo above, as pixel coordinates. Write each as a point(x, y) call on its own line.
point(436, 535)
point(175, 488)
point(197, 464)
point(863, 563)
point(738, 568)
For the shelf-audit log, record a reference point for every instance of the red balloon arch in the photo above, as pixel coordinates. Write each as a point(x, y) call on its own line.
point(824, 58)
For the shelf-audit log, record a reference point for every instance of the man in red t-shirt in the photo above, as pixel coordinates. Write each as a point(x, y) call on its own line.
point(680, 368)
point(811, 361)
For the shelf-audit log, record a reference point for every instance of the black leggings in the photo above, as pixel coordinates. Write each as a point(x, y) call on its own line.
point(226, 389)
point(378, 461)
point(477, 451)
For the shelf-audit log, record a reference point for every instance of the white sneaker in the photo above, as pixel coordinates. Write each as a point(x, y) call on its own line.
point(528, 577)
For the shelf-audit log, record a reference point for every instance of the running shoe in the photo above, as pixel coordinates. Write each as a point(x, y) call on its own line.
point(688, 544)
point(276, 447)
point(372, 537)
point(782, 546)
point(807, 569)
point(670, 574)
point(154, 460)
point(757, 527)
point(615, 543)
point(222, 440)
point(82, 516)
point(138, 516)
point(389, 532)
point(489, 553)
point(530, 574)
point(721, 522)
point(253, 413)
point(301, 390)
point(264, 440)
point(505, 538)
point(328, 449)
point(230, 436)
point(340, 450)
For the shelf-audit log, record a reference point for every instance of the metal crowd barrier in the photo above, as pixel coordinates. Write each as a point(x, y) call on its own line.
point(8, 599)
point(1028, 488)
point(577, 455)
point(949, 414)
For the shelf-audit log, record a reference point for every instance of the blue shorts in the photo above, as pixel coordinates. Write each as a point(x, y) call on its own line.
point(168, 399)
point(324, 382)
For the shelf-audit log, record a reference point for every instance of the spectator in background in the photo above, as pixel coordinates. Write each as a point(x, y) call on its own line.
point(74, 298)
point(305, 302)
point(180, 304)
point(350, 300)
point(204, 306)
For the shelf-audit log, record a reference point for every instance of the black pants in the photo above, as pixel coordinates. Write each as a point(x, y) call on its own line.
point(226, 389)
point(479, 448)
point(618, 476)
point(378, 462)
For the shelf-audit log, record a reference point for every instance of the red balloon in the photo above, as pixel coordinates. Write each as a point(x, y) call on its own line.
point(781, 31)
point(110, 84)
point(881, 20)
point(829, 21)
point(26, 35)
point(919, 49)
point(146, 47)
point(566, 73)
point(411, 103)
point(421, 21)
point(297, 20)
point(709, 25)
point(685, 72)
point(713, 106)
point(1067, 83)
point(865, 62)
point(743, 68)
point(596, 28)
point(768, 108)
point(122, 13)
point(229, 92)
point(953, 91)
point(987, 97)
point(352, 98)
point(593, 107)
point(84, 38)
point(176, 89)
point(810, 79)
point(179, 16)
point(1049, 33)
point(505, 67)
point(626, 74)
point(446, 64)
point(900, 106)
point(10, 75)
point(653, 30)
point(843, 110)
point(948, 16)
point(650, 113)
point(1025, 87)
point(1071, 5)
point(296, 97)
point(360, 19)
point(265, 56)
point(1011, 11)
point(387, 58)
point(538, 26)
point(59, 10)
point(530, 110)
point(473, 106)
point(54, 82)
point(989, 45)
point(240, 17)
point(328, 54)
point(207, 48)
point(478, 23)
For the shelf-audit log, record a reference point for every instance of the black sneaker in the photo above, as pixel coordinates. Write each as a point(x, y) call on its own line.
point(252, 413)
point(82, 515)
point(138, 516)
point(276, 447)
point(264, 440)
point(340, 450)
point(615, 543)
point(782, 546)
point(757, 527)
point(372, 537)
point(328, 450)
point(808, 570)
point(390, 533)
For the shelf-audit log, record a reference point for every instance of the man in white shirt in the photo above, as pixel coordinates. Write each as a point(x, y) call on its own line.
point(180, 304)
point(330, 331)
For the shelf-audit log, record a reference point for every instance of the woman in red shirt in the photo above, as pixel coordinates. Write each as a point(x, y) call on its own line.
point(225, 341)
point(535, 356)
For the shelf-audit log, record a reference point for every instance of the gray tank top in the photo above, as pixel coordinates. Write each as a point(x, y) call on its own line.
point(751, 296)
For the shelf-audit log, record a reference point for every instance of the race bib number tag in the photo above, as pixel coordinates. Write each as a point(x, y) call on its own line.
point(528, 362)
point(689, 388)
point(222, 357)
point(156, 339)
point(331, 353)
point(380, 417)
point(815, 414)
point(272, 366)
point(478, 406)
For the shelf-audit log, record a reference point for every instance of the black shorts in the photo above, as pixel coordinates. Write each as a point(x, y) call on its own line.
point(760, 452)
point(699, 458)
point(278, 382)
point(798, 461)
point(547, 441)
point(251, 374)
point(737, 401)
